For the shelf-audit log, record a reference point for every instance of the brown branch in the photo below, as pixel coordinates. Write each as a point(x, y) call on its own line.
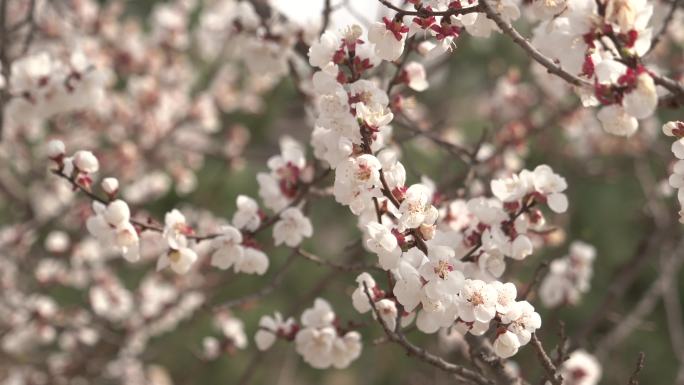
point(674, 86)
point(30, 19)
point(666, 24)
point(634, 379)
point(536, 278)
point(333, 265)
point(424, 355)
point(326, 15)
point(547, 364)
point(482, 349)
point(518, 39)
point(561, 354)
point(422, 12)
point(675, 324)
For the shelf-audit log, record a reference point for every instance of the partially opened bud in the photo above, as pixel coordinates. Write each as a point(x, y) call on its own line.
point(55, 149)
point(85, 161)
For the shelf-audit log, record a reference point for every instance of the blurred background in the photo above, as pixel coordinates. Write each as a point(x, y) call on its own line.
point(619, 202)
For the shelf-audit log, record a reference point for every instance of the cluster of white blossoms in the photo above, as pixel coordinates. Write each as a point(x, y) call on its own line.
point(42, 85)
point(319, 338)
point(233, 245)
point(444, 262)
point(676, 129)
point(390, 35)
point(232, 336)
point(279, 187)
point(569, 277)
point(110, 223)
point(606, 43)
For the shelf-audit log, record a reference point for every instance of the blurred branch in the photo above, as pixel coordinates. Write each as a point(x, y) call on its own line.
point(668, 271)
point(4, 61)
point(663, 30)
point(675, 324)
point(326, 15)
point(273, 284)
point(336, 266)
point(622, 280)
point(536, 278)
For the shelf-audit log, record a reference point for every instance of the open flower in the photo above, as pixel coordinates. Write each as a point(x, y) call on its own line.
point(180, 260)
point(382, 242)
point(416, 209)
point(477, 301)
point(292, 227)
point(111, 226)
point(229, 250)
point(388, 37)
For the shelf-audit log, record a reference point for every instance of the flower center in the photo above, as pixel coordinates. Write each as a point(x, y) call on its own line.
point(476, 299)
point(174, 256)
point(363, 173)
point(443, 268)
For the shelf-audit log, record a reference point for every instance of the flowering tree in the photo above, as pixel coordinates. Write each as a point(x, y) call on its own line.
point(118, 132)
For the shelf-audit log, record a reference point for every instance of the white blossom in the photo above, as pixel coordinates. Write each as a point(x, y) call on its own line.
point(229, 250)
point(292, 227)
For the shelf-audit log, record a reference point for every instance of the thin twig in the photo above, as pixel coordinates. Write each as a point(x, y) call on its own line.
point(634, 379)
point(326, 15)
point(274, 283)
point(536, 278)
point(646, 304)
point(547, 364)
point(562, 342)
point(333, 265)
point(666, 24)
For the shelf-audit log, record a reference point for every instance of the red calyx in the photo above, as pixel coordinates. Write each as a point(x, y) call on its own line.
point(396, 27)
point(446, 30)
point(401, 238)
point(588, 66)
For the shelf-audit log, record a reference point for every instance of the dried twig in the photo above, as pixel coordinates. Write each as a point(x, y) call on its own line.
point(536, 278)
point(548, 365)
point(634, 379)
